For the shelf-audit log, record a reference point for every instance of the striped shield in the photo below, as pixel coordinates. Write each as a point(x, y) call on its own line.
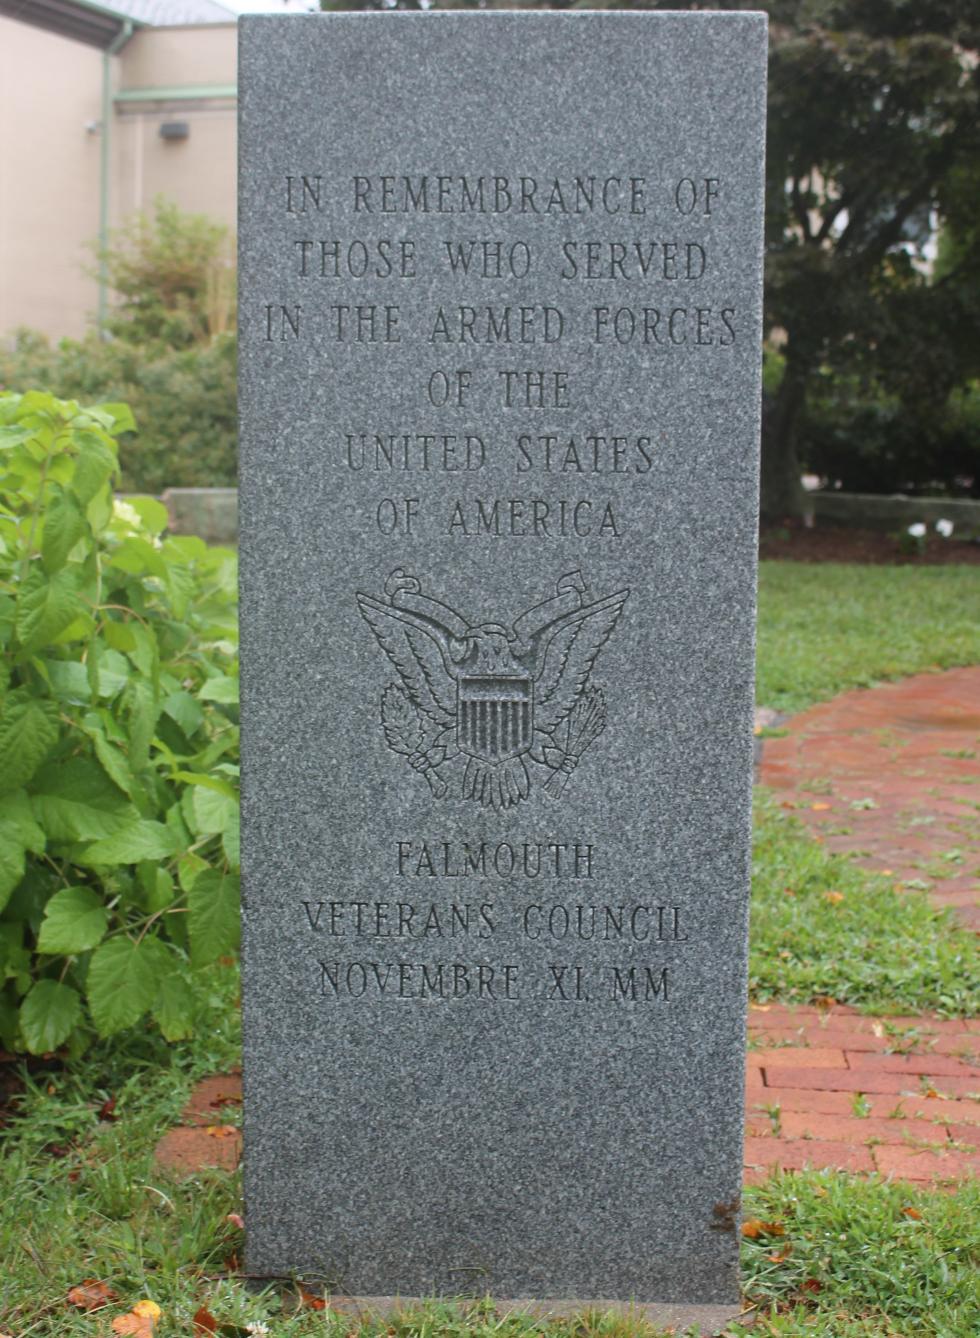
point(495, 716)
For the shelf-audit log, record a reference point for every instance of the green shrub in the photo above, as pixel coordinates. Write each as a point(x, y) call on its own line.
point(183, 402)
point(173, 276)
point(118, 741)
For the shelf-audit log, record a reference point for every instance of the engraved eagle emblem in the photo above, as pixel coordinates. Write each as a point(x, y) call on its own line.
point(488, 699)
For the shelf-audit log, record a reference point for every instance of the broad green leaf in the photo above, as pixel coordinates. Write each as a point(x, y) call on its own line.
point(185, 548)
point(119, 635)
point(152, 513)
point(174, 1006)
point(143, 709)
point(28, 732)
point(231, 841)
point(140, 840)
point(75, 920)
point(208, 781)
point(220, 689)
point(49, 1013)
point(123, 980)
point(75, 801)
point(213, 916)
point(19, 833)
point(138, 557)
point(18, 820)
point(146, 654)
point(12, 865)
point(212, 811)
point(121, 415)
point(64, 525)
point(46, 605)
point(185, 710)
point(113, 761)
point(93, 468)
point(70, 680)
point(12, 436)
point(190, 867)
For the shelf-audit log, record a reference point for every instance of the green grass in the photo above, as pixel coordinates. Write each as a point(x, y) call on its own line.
point(826, 627)
point(80, 1200)
point(859, 1265)
point(875, 948)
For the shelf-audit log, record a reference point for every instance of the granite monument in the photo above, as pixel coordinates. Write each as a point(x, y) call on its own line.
point(500, 316)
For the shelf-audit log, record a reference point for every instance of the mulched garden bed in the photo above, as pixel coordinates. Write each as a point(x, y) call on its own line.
point(792, 542)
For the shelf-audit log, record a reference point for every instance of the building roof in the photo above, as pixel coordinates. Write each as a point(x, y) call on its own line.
point(172, 13)
point(100, 22)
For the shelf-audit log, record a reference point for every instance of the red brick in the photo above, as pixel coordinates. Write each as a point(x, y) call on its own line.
point(846, 1080)
point(947, 1086)
point(845, 1040)
point(213, 1098)
point(969, 1134)
point(758, 1125)
point(791, 1098)
point(185, 1151)
point(843, 1128)
point(778, 1015)
point(958, 1043)
point(926, 1108)
point(799, 1153)
point(763, 1036)
point(908, 1164)
point(935, 1066)
point(797, 1057)
point(754, 1086)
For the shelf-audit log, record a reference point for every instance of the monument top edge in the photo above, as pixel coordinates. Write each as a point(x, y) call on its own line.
point(753, 17)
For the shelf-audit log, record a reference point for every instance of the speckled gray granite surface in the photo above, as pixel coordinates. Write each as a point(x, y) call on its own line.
point(500, 320)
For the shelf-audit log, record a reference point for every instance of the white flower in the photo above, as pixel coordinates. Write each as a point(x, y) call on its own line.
point(944, 527)
point(124, 512)
point(917, 531)
point(259, 1329)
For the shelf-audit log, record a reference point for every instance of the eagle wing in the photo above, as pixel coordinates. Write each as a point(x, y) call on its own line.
point(570, 655)
point(416, 654)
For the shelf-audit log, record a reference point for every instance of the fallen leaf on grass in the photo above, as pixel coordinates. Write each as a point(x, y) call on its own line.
point(781, 1256)
point(108, 1110)
point(825, 1001)
point(754, 1228)
point(236, 1220)
point(204, 1321)
point(310, 1301)
point(912, 1212)
point(140, 1321)
point(834, 897)
point(224, 1100)
point(811, 1285)
point(91, 1295)
point(221, 1131)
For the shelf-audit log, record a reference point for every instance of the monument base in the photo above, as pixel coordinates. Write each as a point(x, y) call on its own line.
point(707, 1320)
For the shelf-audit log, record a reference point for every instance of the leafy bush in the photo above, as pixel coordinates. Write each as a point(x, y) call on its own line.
point(173, 275)
point(118, 741)
point(183, 402)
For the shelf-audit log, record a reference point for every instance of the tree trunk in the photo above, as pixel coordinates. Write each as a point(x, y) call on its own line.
point(783, 496)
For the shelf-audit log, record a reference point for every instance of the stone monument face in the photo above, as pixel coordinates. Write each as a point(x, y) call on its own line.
point(500, 352)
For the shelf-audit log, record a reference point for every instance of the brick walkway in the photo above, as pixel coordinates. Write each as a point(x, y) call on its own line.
point(825, 1089)
point(893, 772)
point(842, 1090)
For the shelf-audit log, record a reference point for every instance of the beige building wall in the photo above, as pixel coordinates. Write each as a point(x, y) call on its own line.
point(50, 105)
point(50, 162)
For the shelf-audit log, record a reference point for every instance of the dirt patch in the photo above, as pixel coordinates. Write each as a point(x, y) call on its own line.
point(792, 542)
